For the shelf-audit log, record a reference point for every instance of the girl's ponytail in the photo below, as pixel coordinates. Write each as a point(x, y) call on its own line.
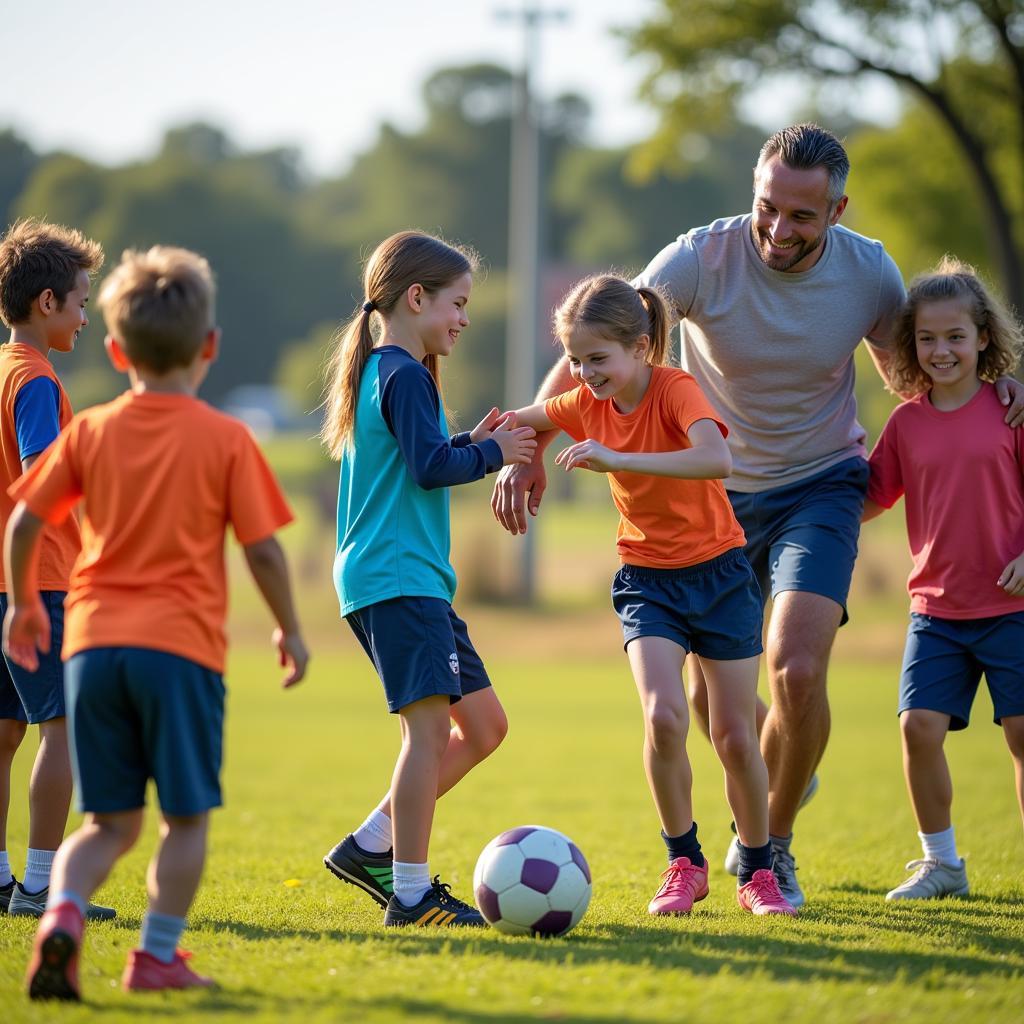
point(344, 372)
point(657, 312)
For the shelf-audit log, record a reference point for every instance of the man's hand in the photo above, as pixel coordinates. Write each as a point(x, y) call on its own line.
point(1011, 393)
point(516, 489)
point(292, 655)
point(27, 633)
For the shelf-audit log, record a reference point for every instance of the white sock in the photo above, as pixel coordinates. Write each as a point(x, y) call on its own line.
point(412, 881)
point(37, 869)
point(940, 846)
point(5, 869)
point(374, 835)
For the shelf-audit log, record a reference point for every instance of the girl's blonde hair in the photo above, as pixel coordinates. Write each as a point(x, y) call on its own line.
point(399, 262)
point(952, 279)
point(612, 307)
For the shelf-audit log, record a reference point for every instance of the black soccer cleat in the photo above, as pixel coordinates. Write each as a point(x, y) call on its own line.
point(438, 909)
point(372, 872)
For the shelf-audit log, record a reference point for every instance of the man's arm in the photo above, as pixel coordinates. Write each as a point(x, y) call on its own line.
point(882, 358)
point(509, 500)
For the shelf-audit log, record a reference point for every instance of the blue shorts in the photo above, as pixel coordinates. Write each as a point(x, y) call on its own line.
point(136, 714)
point(38, 696)
point(804, 536)
point(945, 658)
point(420, 648)
point(713, 609)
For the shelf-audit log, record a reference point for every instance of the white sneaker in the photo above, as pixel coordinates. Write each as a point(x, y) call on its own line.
point(732, 855)
point(931, 880)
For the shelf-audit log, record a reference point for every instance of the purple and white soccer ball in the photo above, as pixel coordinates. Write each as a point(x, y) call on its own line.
point(532, 880)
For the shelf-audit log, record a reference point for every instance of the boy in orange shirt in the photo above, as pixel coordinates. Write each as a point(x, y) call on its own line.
point(161, 475)
point(45, 272)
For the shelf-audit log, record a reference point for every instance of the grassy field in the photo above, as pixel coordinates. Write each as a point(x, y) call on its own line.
point(289, 942)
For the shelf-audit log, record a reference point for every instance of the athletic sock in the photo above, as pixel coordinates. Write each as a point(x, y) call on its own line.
point(5, 869)
point(55, 899)
point(685, 845)
point(753, 858)
point(411, 881)
point(940, 846)
point(374, 835)
point(37, 869)
point(160, 934)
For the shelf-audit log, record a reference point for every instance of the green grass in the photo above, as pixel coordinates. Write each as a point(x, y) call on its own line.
point(303, 767)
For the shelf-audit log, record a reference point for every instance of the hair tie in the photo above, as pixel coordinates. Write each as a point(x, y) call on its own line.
point(369, 306)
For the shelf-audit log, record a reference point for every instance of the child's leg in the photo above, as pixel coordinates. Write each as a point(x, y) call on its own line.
point(177, 866)
point(697, 691)
point(1013, 730)
point(657, 665)
point(732, 700)
point(924, 765)
point(12, 732)
point(49, 800)
point(85, 858)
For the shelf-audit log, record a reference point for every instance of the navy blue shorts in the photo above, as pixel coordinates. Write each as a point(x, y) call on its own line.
point(136, 714)
point(804, 536)
point(713, 609)
point(420, 648)
point(38, 696)
point(945, 659)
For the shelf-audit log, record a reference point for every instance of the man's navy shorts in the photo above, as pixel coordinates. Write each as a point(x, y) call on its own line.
point(38, 696)
point(420, 648)
point(713, 609)
point(804, 536)
point(944, 660)
point(136, 714)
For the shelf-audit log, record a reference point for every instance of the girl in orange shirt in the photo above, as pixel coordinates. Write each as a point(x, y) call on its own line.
point(685, 585)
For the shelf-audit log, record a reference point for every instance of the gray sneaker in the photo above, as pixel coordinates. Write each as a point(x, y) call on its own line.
point(784, 868)
point(732, 855)
point(33, 904)
point(931, 880)
point(6, 892)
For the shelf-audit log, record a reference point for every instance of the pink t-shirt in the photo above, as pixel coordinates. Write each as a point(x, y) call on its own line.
point(963, 476)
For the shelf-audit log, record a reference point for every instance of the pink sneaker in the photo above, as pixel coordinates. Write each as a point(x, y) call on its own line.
point(53, 969)
point(145, 971)
point(682, 885)
point(761, 895)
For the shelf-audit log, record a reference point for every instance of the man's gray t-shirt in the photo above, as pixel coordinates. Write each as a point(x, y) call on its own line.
point(773, 351)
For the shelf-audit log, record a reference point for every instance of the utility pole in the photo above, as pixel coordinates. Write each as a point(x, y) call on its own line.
point(524, 247)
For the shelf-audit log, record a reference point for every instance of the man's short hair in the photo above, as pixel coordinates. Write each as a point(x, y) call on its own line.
point(34, 256)
point(806, 146)
point(159, 305)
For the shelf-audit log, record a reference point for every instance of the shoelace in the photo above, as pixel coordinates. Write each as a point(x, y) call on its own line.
point(766, 887)
point(675, 875)
point(784, 860)
point(443, 892)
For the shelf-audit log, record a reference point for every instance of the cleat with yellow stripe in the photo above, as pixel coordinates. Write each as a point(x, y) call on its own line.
point(438, 909)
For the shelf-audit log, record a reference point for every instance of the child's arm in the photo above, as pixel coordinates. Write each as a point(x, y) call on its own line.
point(270, 571)
point(708, 458)
point(27, 624)
point(872, 510)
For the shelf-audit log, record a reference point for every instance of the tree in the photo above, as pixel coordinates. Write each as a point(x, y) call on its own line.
point(963, 59)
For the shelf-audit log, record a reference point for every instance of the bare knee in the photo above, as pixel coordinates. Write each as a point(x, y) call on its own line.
point(489, 735)
point(12, 733)
point(735, 744)
point(665, 725)
point(922, 730)
point(798, 681)
point(183, 824)
point(121, 829)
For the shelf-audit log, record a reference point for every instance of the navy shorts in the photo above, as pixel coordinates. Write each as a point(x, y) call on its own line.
point(38, 696)
point(136, 714)
point(713, 609)
point(420, 648)
point(945, 659)
point(804, 536)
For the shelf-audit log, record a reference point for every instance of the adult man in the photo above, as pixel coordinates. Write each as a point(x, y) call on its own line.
point(773, 305)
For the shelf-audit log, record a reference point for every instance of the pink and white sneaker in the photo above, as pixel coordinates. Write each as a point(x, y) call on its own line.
point(761, 895)
point(682, 885)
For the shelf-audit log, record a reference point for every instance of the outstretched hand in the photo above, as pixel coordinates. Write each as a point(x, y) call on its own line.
point(27, 633)
point(517, 444)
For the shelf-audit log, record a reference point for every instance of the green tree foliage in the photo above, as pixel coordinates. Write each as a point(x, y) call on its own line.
point(961, 59)
point(17, 161)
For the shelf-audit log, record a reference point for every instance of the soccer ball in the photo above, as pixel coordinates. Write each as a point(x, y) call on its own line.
point(532, 880)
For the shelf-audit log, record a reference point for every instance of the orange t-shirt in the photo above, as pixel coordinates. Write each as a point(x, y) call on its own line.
point(20, 364)
point(664, 522)
point(161, 476)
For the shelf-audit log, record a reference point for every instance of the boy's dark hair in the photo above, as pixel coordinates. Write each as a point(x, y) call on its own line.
point(158, 305)
point(34, 256)
point(806, 146)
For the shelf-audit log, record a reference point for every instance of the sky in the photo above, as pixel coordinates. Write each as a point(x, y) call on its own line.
point(105, 79)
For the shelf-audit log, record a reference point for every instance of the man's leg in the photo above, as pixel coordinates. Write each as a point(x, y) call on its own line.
point(801, 632)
